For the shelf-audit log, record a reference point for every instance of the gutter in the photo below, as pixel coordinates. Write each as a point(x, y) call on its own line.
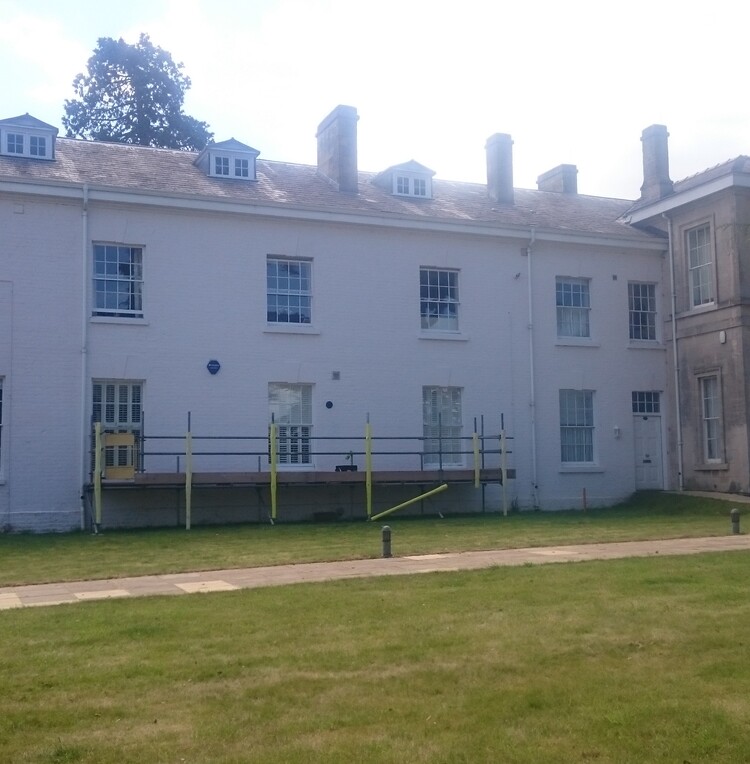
point(532, 375)
point(677, 394)
point(84, 347)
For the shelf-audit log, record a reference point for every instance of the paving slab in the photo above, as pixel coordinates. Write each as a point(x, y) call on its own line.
point(212, 581)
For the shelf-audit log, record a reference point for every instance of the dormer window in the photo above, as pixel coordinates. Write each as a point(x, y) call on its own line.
point(241, 168)
point(37, 146)
point(221, 165)
point(28, 137)
point(408, 179)
point(15, 143)
point(228, 159)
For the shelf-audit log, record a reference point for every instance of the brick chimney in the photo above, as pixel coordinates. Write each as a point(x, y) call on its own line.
point(562, 179)
point(500, 168)
point(337, 148)
point(656, 182)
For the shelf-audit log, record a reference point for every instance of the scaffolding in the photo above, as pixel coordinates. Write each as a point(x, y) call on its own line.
point(277, 460)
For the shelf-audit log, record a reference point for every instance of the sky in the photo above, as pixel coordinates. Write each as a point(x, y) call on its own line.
point(572, 82)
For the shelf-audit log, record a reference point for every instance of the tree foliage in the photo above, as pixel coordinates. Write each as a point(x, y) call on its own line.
point(133, 94)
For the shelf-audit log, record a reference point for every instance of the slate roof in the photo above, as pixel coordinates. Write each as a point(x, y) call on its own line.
point(740, 164)
point(294, 186)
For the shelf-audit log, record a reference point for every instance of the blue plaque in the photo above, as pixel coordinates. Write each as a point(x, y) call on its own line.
point(213, 366)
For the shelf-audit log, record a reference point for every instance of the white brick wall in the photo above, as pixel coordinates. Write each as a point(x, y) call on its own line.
point(205, 298)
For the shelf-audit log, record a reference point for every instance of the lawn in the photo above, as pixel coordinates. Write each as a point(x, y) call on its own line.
point(638, 660)
point(66, 557)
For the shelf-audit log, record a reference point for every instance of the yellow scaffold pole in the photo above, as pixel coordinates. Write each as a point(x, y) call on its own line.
point(98, 474)
point(274, 459)
point(410, 501)
point(368, 466)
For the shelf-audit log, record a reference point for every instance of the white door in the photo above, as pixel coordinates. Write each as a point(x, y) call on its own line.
point(648, 466)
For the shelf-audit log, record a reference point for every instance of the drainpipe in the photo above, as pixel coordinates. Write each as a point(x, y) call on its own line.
point(532, 376)
point(677, 395)
point(84, 347)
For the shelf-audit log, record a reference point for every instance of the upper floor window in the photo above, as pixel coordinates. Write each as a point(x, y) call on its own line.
point(700, 266)
point(14, 143)
point(118, 281)
point(438, 299)
point(241, 168)
point(37, 146)
point(576, 426)
point(26, 136)
point(642, 310)
point(221, 165)
point(573, 307)
point(228, 159)
point(409, 185)
point(289, 291)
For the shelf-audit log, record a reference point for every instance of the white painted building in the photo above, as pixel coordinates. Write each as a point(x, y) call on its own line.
point(326, 295)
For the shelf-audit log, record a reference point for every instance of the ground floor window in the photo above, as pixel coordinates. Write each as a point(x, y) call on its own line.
point(713, 446)
point(290, 407)
point(441, 418)
point(577, 426)
point(118, 406)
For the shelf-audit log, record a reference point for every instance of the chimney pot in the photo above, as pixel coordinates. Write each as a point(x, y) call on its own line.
point(500, 168)
point(337, 148)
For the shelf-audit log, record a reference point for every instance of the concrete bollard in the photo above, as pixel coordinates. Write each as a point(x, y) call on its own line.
point(735, 515)
point(386, 534)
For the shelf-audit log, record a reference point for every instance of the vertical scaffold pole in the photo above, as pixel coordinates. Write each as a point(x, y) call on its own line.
point(504, 462)
point(188, 476)
point(475, 443)
point(368, 466)
point(274, 460)
point(98, 449)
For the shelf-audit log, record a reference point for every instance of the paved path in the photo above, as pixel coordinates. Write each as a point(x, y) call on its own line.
point(279, 575)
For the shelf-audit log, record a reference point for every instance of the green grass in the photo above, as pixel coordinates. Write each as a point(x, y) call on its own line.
point(638, 660)
point(67, 557)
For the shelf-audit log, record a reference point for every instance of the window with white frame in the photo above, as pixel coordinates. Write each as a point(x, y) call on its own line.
point(700, 266)
point(241, 168)
point(37, 146)
point(118, 406)
point(711, 409)
point(118, 281)
point(442, 426)
point(410, 185)
point(221, 165)
point(289, 291)
point(646, 402)
point(290, 407)
point(576, 426)
point(438, 299)
point(642, 308)
point(27, 137)
point(14, 143)
point(573, 301)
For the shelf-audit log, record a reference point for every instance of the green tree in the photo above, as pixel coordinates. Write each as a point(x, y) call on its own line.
point(133, 94)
